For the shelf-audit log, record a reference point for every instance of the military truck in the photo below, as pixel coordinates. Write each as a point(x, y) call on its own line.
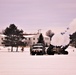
point(37, 49)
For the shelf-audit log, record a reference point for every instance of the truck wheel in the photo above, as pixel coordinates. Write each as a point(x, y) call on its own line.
point(65, 52)
point(50, 52)
point(41, 53)
point(32, 53)
point(58, 53)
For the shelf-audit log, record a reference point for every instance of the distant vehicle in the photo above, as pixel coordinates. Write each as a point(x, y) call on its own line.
point(38, 49)
point(57, 50)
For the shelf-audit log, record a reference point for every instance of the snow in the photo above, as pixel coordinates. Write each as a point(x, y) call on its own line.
point(60, 40)
point(22, 63)
point(72, 26)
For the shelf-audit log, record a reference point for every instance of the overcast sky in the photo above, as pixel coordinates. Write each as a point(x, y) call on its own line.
point(31, 15)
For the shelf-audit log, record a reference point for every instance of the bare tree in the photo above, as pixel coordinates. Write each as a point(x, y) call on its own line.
point(49, 33)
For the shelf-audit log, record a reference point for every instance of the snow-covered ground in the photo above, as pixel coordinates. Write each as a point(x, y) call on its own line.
point(22, 63)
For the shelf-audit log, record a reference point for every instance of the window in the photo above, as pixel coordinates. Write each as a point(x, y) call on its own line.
point(33, 38)
point(29, 38)
point(25, 38)
point(1, 38)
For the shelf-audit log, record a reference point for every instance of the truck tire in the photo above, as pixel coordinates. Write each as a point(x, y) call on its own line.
point(32, 53)
point(65, 52)
point(50, 52)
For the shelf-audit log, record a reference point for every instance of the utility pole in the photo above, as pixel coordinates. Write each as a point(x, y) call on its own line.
point(39, 31)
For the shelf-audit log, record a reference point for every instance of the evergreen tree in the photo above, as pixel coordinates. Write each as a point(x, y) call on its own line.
point(73, 39)
point(41, 39)
point(13, 37)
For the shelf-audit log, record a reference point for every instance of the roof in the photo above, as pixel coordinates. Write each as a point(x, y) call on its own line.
point(33, 35)
point(29, 35)
point(2, 35)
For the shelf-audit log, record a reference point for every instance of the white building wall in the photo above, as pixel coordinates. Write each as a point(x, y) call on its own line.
point(35, 39)
point(47, 40)
point(2, 37)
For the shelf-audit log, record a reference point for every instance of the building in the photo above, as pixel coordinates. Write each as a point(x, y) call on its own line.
point(33, 39)
point(2, 37)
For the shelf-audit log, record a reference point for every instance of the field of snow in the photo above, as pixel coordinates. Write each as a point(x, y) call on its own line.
point(22, 63)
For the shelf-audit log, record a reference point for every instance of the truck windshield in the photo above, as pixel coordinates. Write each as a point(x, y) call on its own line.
point(37, 47)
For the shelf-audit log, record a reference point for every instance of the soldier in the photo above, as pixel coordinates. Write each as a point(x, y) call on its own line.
point(22, 49)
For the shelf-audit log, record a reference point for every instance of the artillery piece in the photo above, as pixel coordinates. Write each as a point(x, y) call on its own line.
point(57, 50)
